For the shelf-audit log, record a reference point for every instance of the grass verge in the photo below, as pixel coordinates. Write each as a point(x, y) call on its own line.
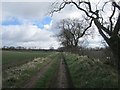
point(91, 73)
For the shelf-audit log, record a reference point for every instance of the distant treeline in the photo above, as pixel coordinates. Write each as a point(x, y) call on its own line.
point(26, 49)
point(61, 49)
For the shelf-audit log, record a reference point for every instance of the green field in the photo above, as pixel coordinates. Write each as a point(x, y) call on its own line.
point(19, 72)
point(13, 58)
point(17, 56)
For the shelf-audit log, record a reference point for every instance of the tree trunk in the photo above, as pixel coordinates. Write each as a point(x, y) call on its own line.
point(113, 42)
point(115, 47)
point(76, 42)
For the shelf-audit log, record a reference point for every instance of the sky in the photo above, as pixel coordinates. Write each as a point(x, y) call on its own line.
point(28, 24)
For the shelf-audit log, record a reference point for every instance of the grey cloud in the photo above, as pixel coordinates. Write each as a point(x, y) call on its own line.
point(25, 9)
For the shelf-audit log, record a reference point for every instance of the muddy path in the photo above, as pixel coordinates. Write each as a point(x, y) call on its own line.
point(32, 81)
point(62, 78)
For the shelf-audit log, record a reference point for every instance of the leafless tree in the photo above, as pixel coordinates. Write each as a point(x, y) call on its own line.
point(70, 32)
point(109, 30)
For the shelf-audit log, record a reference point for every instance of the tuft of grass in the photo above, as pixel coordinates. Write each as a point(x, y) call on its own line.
point(91, 73)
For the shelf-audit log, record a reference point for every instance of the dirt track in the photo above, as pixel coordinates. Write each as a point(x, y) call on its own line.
point(62, 81)
point(31, 82)
point(62, 78)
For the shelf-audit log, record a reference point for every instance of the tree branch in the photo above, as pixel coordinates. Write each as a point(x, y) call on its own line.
point(104, 5)
point(97, 23)
point(90, 9)
point(87, 28)
point(114, 4)
point(100, 31)
point(82, 8)
point(117, 27)
point(62, 5)
point(110, 19)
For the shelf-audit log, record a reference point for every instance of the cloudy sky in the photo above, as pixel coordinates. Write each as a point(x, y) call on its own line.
point(28, 24)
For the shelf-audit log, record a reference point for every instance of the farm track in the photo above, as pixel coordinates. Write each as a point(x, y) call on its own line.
point(62, 79)
point(31, 82)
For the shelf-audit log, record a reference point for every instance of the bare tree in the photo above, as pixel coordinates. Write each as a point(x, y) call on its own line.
point(71, 31)
point(109, 30)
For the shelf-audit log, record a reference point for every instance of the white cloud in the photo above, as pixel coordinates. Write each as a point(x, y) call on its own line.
point(28, 36)
point(48, 26)
point(75, 15)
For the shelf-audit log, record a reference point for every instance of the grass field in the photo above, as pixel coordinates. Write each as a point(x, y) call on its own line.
point(91, 73)
point(16, 75)
point(15, 56)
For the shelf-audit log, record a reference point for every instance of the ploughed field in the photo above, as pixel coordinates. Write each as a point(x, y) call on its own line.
point(40, 69)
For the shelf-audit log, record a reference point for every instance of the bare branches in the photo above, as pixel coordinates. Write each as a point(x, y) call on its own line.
point(80, 8)
point(96, 13)
point(100, 30)
point(104, 5)
point(87, 27)
point(103, 35)
point(71, 31)
point(111, 23)
point(98, 24)
point(114, 4)
point(117, 27)
point(87, 12)
point(88, 3)
point(62, 5)
point(90, 9)
point(96, 16)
